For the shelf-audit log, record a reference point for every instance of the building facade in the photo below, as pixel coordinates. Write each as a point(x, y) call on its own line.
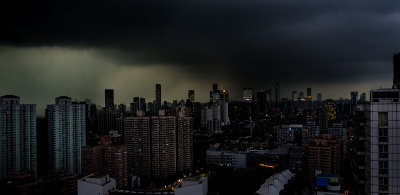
point(18, 143)
point(108, 157)
point(184, 143)
point(109, 98)
point(137, 140)
point(163, 145)
point(66, 135)
point(377, 143)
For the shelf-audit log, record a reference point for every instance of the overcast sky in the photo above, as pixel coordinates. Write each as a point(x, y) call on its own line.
point(53, 48)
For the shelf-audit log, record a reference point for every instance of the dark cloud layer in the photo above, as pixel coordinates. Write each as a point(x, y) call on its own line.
point(252, 42)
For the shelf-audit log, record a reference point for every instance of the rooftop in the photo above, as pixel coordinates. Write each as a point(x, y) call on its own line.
point(63, 97)
point(9, 96)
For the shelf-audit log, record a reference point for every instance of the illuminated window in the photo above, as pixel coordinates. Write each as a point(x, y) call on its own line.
point(383, 118)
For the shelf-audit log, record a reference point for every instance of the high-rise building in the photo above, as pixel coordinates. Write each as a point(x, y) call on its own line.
point(224, 95)
point(157, 105)
point(277, 95)
point(136, 99)
point(247, 94)
point(268, 94)
point(215, 94)
point(295, 96)
point(106, 120)
point(363, 97)
point(18, 144)
point(163, 145)
point(134, 107)
point(66, 134)
point(138, 143)
point(108, 157)
point(323, 155)
point(184, 157)
point(377, 142)
point(396, 70)
point(191, 96)
point(142, 104)
point(319, 97)
point(309, 96)
point(354, 100)
point(215, 87)
point(330, 107)
point(109, 98)
point(354, 97)
point(121, 109)
point(261, 103)
point(301, 95)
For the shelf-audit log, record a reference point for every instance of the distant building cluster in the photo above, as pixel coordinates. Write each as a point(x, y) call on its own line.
point(304, 143)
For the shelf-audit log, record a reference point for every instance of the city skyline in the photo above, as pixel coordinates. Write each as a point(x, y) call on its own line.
point(200, 97)
point(73, 49)
point(204, 98)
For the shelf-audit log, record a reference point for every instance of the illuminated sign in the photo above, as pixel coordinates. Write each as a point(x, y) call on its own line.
point(268, 166)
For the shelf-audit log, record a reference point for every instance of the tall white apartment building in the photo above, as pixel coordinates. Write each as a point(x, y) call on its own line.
point(18, 145)
point(378, 143)
point(66, 134)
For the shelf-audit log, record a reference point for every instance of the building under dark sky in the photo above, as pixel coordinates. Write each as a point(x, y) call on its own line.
point(326, 45)
point(109, 98)
point(157, 106)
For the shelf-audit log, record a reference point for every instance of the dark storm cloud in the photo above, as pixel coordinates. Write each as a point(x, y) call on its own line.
point(250, 42)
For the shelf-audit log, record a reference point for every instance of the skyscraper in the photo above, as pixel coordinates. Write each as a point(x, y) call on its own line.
point(396, 70)
point(319, 97)
point(224, 95)
point(215, 94)
point(377, 142)
point(354, 99)
point(142, 104)
point(106, 120)
point(157, 105)
point(215, 87)
point(277, 95)
point(163, 145)
point(184, 159)
point(137, 139)
point(261, 104)
point(109, 98)
point(301, 95)
point(309, 96)
point(18, 145)
point(121, 109)
point(67, 134)
point(330, 107)
point(295, 96)
point(191, 96)
point(247, 94)
point(136, 99)
point(363, 97)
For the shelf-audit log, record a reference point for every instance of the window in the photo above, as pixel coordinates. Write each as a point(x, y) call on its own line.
point(383, 134)
point(383, 183)
point(383, 167)
point(383, 151)
point(383, 118)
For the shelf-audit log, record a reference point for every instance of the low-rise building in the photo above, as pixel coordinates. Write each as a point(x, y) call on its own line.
point(236, 160)
point(96, 185)
point(192, 186)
